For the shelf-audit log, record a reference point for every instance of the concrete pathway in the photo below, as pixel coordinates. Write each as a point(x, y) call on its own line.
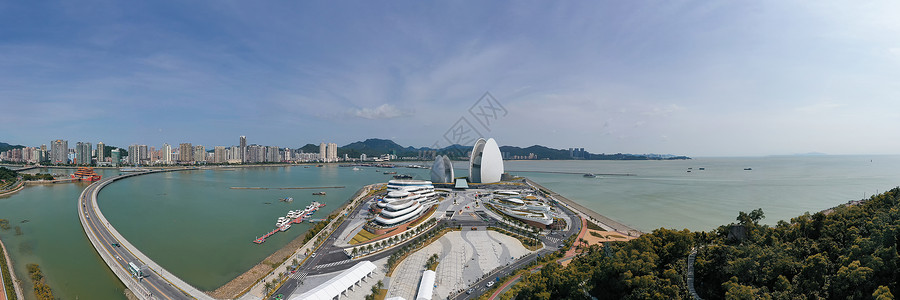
point(465, 257)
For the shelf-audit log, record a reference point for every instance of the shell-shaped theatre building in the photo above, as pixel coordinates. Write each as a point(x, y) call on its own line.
point(442, 170)
point(486, 162)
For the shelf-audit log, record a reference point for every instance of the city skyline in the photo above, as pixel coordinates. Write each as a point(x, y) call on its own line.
point(699, 79)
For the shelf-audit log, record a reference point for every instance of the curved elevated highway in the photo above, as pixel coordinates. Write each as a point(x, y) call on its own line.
point(117, 252)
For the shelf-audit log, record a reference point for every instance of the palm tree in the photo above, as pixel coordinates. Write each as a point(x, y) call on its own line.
point(354, 251)
point(268, 287)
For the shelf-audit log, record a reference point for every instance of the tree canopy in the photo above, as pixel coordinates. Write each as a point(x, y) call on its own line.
point(848, 252)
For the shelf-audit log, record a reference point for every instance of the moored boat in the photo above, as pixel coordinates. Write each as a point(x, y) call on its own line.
point(86, 174)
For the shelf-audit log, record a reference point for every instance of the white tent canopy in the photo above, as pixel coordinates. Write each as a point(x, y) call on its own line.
point(340, 283)
point(426, 286)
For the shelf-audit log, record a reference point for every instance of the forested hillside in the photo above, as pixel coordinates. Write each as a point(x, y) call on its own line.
point(849, 252)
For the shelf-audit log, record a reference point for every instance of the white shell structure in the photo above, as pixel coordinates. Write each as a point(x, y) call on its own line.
point(486, 162)
point(442, 170)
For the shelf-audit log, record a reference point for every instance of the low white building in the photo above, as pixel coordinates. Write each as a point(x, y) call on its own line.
point(335, 287)
point(426, 285)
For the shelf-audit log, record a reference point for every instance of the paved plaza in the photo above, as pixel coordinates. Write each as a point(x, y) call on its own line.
point(459, 266)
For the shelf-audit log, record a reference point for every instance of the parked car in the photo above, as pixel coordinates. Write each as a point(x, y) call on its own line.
point(490, 283)
point(470, 291)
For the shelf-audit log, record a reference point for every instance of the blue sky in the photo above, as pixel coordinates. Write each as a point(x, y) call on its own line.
point(695, 78)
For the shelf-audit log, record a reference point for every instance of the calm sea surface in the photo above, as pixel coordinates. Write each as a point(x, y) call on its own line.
point(201, 230)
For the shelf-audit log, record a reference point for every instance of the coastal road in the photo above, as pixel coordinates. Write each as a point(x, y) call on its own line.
point(118, 252)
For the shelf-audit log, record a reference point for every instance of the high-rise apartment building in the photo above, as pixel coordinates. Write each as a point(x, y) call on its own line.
point(115, 157)
point(331, 155)
point(143, 154)
point(165, 154)
point(273, 154)
point(138, 154)
point(199, 153)
point(133, 156)
point(185, 153)
point(59, 152)
point(83, 153)
point(322, 151)
point(243, 146)
point(101, 156)
point(219, 154)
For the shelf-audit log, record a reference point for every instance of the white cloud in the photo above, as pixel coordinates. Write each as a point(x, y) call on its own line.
point(384, 111)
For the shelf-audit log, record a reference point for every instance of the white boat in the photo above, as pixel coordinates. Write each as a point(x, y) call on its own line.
point(355, 169)
point(284, 227)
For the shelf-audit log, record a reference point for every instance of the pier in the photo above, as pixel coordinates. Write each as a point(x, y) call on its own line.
point(296, 220)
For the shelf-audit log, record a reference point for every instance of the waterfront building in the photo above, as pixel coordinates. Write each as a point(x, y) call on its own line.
point(273, 153)
point(322, 151)
point(59, 152)
point(243, 150)
point(406, 201)
point(165, 154)
point(199, 153)
point(442, 170)
point(115, 157)
point(362, 157)
point(485, 162)
point(132, 155)
point(219, 154)
point(233, 155)
point(12, 155)
point(185, 153)
point(577, 153)
point(144, 154)
point(331, 152)
point(528, 209)
point(83, 153)
point(35, 155)
point(101, 154)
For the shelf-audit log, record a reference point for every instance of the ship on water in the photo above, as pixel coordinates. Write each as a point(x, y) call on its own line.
point(293, 216)
point(86, 174)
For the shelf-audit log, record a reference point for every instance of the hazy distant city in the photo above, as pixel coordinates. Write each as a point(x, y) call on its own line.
point(84, 153)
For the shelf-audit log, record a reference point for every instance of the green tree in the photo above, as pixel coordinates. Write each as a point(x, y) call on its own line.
point(883, 293)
